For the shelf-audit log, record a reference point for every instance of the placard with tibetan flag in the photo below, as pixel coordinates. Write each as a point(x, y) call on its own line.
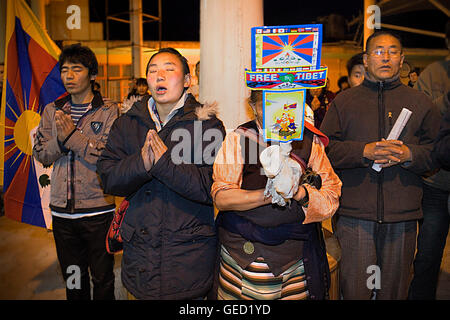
point(31, 81)
point(286, 47)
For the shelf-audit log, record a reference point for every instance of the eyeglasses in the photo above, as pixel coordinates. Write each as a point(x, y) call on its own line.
point(393, 52)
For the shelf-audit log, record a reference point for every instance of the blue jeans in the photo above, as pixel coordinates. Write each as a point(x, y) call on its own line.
point(433, 230)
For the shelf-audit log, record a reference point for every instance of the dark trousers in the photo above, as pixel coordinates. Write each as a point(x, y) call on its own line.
point(368, 246)
point(433, 230)
point(80, 246)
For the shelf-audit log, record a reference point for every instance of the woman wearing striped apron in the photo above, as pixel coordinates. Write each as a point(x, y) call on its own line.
point(269, 251)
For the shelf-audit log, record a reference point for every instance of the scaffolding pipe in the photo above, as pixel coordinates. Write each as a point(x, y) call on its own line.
point(136, 37)
point(413, 30)
point(368, 28)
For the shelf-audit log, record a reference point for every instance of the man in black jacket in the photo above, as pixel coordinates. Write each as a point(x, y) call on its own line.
point(441, 151)
point(378, 213)
point(160, 155)
point(434, 81)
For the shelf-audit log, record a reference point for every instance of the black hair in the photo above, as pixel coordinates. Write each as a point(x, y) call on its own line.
point(381, 33)
point(141, 81)
point(175, 52)
point(76, 53)
point(255, 95)
point(342, 80)
point(354, 61)
point(416, 70)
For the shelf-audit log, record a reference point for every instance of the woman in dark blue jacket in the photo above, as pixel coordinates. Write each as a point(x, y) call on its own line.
point(159, 155)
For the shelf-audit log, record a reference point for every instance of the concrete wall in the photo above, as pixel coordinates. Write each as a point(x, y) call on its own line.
point(58, 18)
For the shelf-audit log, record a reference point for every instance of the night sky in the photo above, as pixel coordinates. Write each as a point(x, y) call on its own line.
point(181, 19)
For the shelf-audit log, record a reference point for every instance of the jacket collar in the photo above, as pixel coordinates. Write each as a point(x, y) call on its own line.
point(97, 101)
point(140, 110)
point(389, 84)
point(187, 112)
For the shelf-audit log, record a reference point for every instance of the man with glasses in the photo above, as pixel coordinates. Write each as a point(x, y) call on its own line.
point(377, 218)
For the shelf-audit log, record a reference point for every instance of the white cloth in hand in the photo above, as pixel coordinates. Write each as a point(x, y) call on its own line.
point(283, 173)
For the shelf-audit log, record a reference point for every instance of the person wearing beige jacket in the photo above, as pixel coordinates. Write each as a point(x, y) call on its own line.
point(71, 135)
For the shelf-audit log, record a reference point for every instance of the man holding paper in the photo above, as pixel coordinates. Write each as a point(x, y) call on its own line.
point(379, 209)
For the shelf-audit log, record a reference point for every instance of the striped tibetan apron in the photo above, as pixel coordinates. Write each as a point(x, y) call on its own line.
point(256, 282)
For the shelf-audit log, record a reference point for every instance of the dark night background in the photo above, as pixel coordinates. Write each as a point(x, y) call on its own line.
point(181, 19)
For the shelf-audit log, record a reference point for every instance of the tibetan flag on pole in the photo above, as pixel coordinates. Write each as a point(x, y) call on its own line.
point(31, 80)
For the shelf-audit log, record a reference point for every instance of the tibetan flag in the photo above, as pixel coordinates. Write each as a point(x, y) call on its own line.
point(290, 106)
point(31, 80)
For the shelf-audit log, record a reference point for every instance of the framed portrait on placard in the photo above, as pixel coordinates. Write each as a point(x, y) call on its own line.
point(283, 115)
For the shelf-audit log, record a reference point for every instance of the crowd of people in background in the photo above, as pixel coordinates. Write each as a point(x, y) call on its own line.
point(175, 246)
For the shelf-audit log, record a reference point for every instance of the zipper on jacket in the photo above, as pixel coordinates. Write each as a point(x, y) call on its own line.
point(381, 131)
point(72, 186)
point(390, 120)
point(72, 168)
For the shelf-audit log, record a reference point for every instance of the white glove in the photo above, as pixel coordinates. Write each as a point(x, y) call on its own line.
point(283, 173)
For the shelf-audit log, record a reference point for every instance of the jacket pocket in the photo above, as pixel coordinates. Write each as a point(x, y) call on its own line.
point(194, 251)
point(87, 181)
point(58, 180)
point(194, 234)
point(126, 231)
